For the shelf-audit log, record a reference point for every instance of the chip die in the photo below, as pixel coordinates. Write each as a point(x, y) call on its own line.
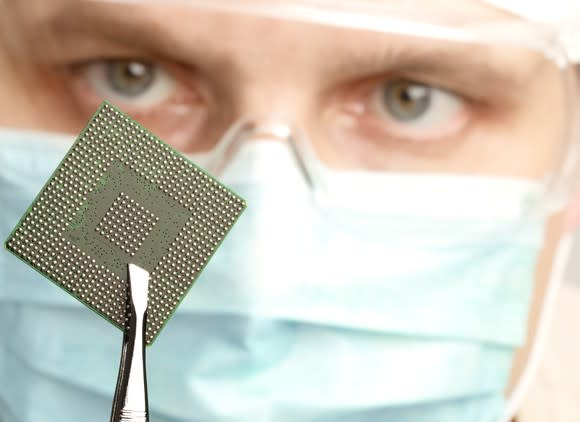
point(121, 196)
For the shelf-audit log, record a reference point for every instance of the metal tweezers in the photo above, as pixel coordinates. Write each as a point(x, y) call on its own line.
point(130, 403)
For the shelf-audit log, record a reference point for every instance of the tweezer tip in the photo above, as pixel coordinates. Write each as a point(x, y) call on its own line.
point(139, 284)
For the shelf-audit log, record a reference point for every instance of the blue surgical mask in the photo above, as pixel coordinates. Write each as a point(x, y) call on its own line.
point(308, 311)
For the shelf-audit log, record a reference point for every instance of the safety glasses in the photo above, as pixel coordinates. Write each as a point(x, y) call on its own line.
point(364, 91)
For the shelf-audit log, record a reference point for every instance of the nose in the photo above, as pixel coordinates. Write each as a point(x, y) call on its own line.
point(258, 149)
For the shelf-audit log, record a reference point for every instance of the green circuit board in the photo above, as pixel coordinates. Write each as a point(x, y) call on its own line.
point(121, 196)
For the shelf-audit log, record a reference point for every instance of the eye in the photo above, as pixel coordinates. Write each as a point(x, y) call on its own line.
point(133, 82)
point(130, 78)
point(406, 101)
point(415, 106)
point(172, 101)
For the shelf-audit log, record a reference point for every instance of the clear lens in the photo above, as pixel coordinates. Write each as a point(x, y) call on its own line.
point(365, 100)
point(441, 106)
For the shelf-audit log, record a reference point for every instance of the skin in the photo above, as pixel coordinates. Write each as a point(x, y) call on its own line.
point(317, 78)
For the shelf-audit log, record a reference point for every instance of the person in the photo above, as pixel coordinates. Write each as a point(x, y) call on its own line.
point(409, 169)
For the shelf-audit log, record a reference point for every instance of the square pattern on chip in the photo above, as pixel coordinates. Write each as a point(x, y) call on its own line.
point(123, 196)
point(127, 224)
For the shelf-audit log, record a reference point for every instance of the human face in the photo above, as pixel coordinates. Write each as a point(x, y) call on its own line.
point(189, 83)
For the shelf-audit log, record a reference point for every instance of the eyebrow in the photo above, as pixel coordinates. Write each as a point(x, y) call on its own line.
point(123, 27)
point(466, 64)
point(82, 23)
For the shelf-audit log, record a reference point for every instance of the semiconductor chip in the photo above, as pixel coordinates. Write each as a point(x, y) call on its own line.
point(121, 196)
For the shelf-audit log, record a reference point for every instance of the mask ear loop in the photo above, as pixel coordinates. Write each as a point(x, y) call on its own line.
point(546, 315)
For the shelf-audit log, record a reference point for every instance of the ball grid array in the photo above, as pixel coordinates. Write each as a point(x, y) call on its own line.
point(112, 139)
point(127, 224)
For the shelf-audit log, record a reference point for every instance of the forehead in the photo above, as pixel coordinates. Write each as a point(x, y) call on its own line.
point(187, 25)
point(436, 11)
